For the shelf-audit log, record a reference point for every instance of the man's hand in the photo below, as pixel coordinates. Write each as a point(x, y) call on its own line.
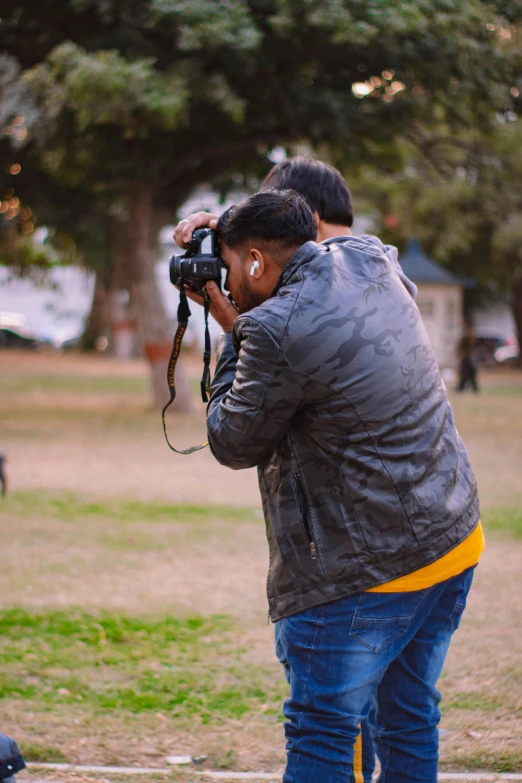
point(185, 228)
point(221, 308)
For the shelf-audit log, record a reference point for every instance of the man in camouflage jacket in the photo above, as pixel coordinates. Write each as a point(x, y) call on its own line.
point(328, 384)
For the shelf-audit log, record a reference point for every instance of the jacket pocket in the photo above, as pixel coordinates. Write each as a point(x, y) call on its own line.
point(305, 515)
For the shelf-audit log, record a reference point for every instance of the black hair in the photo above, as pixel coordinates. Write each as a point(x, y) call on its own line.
point(279, 218)
point(323, 187)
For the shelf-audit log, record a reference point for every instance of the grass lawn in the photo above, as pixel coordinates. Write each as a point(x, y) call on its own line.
point(132, 608)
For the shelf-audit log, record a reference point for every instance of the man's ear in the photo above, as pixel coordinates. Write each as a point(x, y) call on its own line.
point(256, 263)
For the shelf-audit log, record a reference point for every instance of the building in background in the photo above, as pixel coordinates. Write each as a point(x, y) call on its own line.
point(440, 301)
point(494, 317)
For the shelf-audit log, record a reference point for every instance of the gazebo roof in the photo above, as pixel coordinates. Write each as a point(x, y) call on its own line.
point(420, 269)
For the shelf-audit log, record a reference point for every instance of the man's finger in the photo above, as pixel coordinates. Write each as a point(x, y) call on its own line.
point(200, 220)
point(192, 295)
point(213, 291)
point(187, 226)
point(221, 308)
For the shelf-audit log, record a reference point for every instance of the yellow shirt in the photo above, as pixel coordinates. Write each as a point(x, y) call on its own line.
point(465, 555)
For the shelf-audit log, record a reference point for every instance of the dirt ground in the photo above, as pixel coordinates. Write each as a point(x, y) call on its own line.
point(108, 444)
point(111, 443)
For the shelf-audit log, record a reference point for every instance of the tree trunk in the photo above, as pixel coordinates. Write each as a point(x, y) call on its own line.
point(123, 339)
point(154, 329)
point(517, 314)
point(98, 321)
point(123, 326)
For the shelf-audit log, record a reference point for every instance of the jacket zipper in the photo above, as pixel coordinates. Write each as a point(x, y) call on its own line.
point(304, 512)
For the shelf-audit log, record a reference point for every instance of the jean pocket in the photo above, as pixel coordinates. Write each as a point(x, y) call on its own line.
point(382, 618)
point(463, 584)
point(456, 615)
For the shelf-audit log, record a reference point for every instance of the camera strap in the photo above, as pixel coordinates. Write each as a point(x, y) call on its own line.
point(205, 380)
point(183, 319)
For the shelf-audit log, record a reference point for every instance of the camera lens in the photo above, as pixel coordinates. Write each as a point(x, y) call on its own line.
point(175, 270)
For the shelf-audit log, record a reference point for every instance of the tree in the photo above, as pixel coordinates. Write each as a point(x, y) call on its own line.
point(461, 196)
point(23, 182)
point(143, 99)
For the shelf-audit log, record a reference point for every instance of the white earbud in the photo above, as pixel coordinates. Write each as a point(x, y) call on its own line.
point(254, 268)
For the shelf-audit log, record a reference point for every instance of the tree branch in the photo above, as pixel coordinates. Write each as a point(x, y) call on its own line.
point(207, 156)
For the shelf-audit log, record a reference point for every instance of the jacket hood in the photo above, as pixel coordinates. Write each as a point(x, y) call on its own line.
point(304, 255)
point(367, 244)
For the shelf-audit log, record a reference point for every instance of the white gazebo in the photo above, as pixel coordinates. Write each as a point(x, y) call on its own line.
point(439, 301)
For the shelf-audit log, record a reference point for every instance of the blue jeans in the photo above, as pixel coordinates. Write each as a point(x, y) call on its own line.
point(364, 748)
point(375, 657)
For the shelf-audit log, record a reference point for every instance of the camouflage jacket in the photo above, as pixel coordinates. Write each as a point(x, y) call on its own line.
point(332, 390)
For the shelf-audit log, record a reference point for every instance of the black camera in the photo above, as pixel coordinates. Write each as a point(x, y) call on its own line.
point(196, 268)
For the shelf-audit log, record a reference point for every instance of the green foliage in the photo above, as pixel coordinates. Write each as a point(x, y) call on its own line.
point(261, 74)
point(16, 98)
point(498, 760)
point(45, 754)
point(459, 195)
point(103, 89)
point(107, 661)
point(70, 507)
point(27, 184)
point(507, 521)
point(474, 700)
point(72, 384)
point(158, 96)
point(507, 390)
point(24, 256)
point(207, 25)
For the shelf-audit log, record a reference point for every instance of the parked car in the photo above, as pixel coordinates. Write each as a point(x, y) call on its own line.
point(487, 344)
point(16, 332)
point(508, 356)
point(67, 338)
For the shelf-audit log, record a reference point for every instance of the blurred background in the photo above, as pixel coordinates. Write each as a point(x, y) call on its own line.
point(132, 586)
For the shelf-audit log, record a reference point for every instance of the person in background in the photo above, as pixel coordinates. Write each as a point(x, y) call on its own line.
point(328, 196)
point(3, 475)
point(467, 364)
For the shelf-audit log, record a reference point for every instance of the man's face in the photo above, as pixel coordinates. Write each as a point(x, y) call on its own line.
point(238, 281)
